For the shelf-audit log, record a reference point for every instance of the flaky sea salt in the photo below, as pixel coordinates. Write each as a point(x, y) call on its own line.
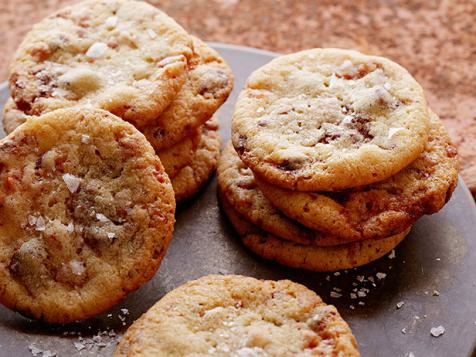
point(151, 33)
point(437, 331)
point(347, 119)
point(111, 235)
point(213, 311)
point(381, 276)
point(335, 295)
point(70, 227)
point(72, 182)
point(111, 22)
point(77, 267)
point(96, 50)
point(400, 304)
point(392, 254)
point(85, 138)
point(393, 131)
point(40, 224)
point(101, 218)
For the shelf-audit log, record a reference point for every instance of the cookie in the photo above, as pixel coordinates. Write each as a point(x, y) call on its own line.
point(12, 116)
point(329, 119)
point(384, 208)
point(86, 214)
point(208, 85)
point(314, 258)
point(233, 315)
point(194, 176)
point(123, 56)
point(237, 185)
point(180, 155)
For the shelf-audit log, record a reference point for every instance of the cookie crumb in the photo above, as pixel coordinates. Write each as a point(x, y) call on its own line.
point(437, 331)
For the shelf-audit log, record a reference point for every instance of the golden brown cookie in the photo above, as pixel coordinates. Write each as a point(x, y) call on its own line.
point(180, 155)
point(234, 315)
point(329, 119)
point(315, 258)
point(86, 214)
point(384, 208)
point(194, 176)
point(12, 116)
point(123, 56)
point(237, 185)
point(208, 85)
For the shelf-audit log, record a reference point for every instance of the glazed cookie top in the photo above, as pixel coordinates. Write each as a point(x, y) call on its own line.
point(383, 208)
point(120, 55)
point(239, 316)
point(86, 214)
point(329, 119)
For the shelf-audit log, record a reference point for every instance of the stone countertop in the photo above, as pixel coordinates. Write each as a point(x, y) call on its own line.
point(434, 40)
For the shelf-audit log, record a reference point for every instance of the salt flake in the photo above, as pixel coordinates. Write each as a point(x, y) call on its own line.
point(96, 50)
point(437, 331)
point(111, 22)
point(72, 182)
point(101, 218)
point(152, 34)
point(393, 131)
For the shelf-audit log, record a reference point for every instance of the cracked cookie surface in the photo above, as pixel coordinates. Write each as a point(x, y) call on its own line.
point(86, 214)
point(231, 315)
point(383, 208)
point(329, 119)
point(314, 258)
point(123, 56)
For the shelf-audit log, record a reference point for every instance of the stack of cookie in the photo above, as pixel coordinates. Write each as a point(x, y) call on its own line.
point(86, 206)
point(335, 155)
point(132, 60)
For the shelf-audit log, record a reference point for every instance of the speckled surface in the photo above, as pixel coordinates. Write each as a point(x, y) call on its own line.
point(435, 40)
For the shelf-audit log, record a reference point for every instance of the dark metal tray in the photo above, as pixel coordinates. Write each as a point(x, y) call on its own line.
point(439, 256)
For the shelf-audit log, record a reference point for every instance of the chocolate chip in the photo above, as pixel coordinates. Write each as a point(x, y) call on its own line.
point(240, 146)
point(328, 137)
point(361, 124)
